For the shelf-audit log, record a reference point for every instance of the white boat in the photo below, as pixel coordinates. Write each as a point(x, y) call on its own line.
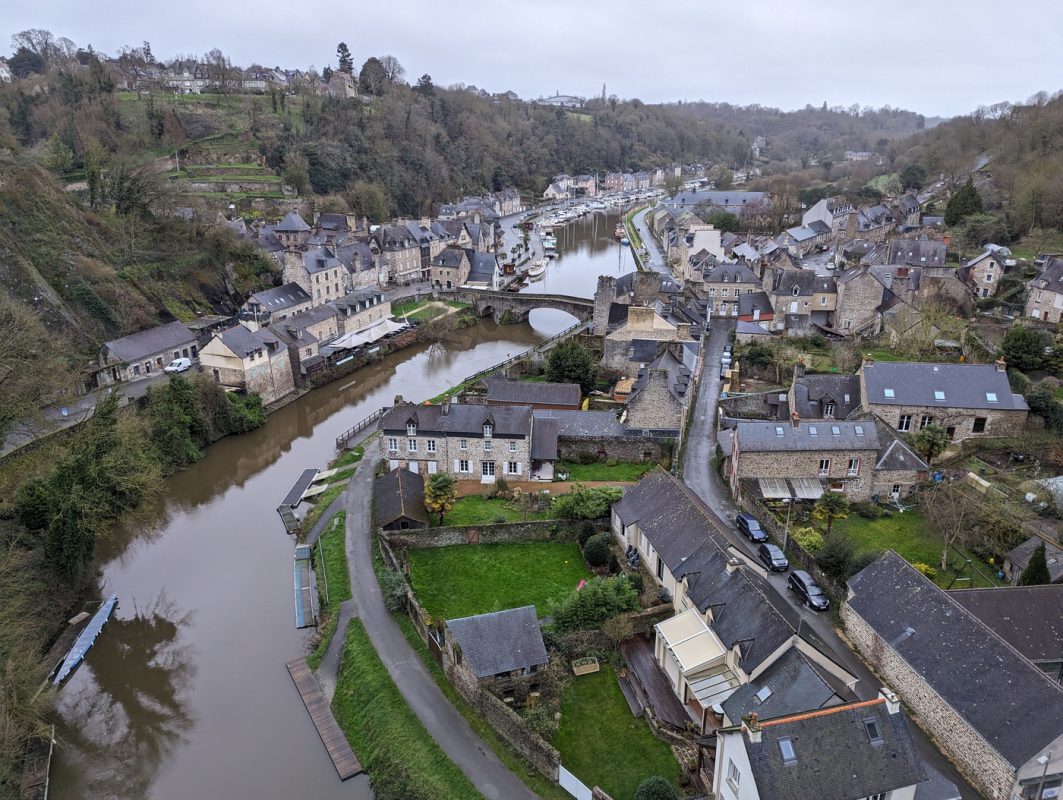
point(549, 243)
point(537, 269)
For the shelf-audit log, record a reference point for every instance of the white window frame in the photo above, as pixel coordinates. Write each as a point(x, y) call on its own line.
point(487, 446)
point(828, 410)
point(411, 445)
point(512, 468)
point(854, 467)
point(489, 430)
point(824, 467)
point(904, 423)
point(463, 444)
point(513, 447)
point(393, 444)
point(734, 777)
point(487, 469)
point(430, 445)
point(926, 419)
point(411, 428)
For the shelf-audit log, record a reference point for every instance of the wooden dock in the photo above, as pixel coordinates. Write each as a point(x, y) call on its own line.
point(339, 750)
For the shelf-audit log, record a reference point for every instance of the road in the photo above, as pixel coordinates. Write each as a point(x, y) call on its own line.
point(655, 259)
point(699, 475)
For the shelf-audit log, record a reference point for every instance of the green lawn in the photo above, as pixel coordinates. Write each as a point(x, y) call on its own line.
point(523, 769)
point(321, 502)
point(401, 757)
point(912, 538)
point(477, 510)
point(603, 744)
point(624, 471)
point(464, 580)
point(330, 562)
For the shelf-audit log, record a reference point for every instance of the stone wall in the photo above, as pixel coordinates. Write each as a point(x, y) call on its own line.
point(627, 448)
point(999, 422)
point(781, 464)
point(974, 756)
point(752, 406)
point(534, 531)
point(654, 406)
point(643, 621)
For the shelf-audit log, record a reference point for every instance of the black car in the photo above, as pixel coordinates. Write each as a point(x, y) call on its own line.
point(808, 590)
point(773, 558)
point(748, 524)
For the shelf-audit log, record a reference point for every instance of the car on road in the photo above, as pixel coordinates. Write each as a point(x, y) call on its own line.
point(749, 525)
point(801, 584)
point(178, 365)
point(773, 557)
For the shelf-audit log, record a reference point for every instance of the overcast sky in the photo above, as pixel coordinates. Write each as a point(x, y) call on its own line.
point(938, 57)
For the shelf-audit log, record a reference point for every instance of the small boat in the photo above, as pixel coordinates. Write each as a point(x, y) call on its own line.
point(625, 241)
point(85, 640)
point(620, 231)
point(549, 243)
point(537, 269)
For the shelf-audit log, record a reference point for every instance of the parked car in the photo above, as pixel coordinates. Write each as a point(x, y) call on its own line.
point(178, 365)
point(773, 557)
point(749, 525)
point(808, 590)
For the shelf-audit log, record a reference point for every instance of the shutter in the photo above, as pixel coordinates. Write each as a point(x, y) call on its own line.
point(519, 465)
point(457, 464)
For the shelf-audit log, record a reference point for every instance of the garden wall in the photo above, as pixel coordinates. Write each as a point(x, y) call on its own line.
point(628, 448)
point(752, 406)
point(533, 531)
point(643, 621)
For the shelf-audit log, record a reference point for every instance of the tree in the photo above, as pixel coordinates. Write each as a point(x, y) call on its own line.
point(619, 629)
point(570, 362)
point(57, 157)
point(344, 58)
point(425, 86)
point(831, 506)
point(724, 221)
point(952, 513)
point(655, 788)
point(38, 41)
point(220, 70)
point(598, 600)
point(837, 556)
point(25, 63)
point(721, 177)
point(596, 549)
point(585, 503)
point(1023, 348)
point(393, 70)
point(373, 77)
point(1036, 572)
point(673, 184)
point(173, 134)
point(961, 205)
point(913, 177)
point(931, 441)
point(371, 200)
point(440, 494)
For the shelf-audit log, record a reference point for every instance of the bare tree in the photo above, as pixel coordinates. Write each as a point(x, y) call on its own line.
point(953, 514)
point(392, 69)
point(221, 70)
point(37, 40)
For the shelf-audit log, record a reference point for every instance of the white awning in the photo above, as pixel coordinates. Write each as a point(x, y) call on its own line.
point(714, 686)
point(375, 332)
point(807, 488)
point(691, 641)
point(773, 488)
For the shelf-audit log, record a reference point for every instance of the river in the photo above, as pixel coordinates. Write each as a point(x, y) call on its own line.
point(185, 694)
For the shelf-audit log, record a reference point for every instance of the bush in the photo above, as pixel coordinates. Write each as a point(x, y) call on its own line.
point(586, 531)
point(596, 550)
point(541, 720)
point(614, 564)
point(869, 510)
point(393, 587)
point(597, 601)
point(809, 538)
point(926, 569)
point(836, 556)
point(501, 488)
point(586, 503)
point(585, 457)
point(655, 788)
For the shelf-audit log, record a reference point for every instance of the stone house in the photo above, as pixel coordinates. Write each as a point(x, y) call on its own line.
point(861, 750)
point(398, 501)
point(251, 361)
point(859, 303)
point(274, 305)
point(144, 353)
point(509, 202)
point(358, 310)
point(450, 268)
point(1018, 558)
point(317, 271)
point(836, 456)
point(907, 210)
point(800, 299)
point(803, 239)
point(724, 285)
point(643, 324)
point(991, 710)
point(304, 334)
point(360, 262)
point(968, 400)
point(660, 396)
point(399, 255)
point(430, 241)
point(502, 652)
point(1045, 298)
point(471, 442)
point(483, 270)
point(726, 632)
point(756, 307)
point(983, 273)
point(832, 211)
point(292, 232)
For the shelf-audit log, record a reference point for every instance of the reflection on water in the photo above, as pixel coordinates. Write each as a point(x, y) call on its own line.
point(185, 694)
point(586, 248)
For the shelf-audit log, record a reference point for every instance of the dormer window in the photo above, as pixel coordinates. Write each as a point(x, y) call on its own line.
point(797, 291)
point(411, 428)
point(488, 430)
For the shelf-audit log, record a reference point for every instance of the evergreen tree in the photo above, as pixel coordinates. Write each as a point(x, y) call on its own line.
point(1036, 572)
point(569, 362)
point(344, 58)
point(440, 494)
point(965, 202)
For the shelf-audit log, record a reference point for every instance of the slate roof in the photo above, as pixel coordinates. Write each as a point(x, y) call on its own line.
point(449, 257)
point(1051, 277)
point(482, 266)
point(398, 494)
point(1019, 556)
point(459, 418)
point(835, 758)
point(292, 223)
point(755, 301)
point(963, 385)
point(813, 391)
point(501, 641)
point(731, 273)
point(531, 392)
point(583, 424)
point(332, 222)
point(812, 436)
point(311, 316)
point(806, 281)
point(917, 252)
point(1029, 618)
point(244, 342)
point(1012, 704)
point(794, 685)
point(936, 786)
point(544, 439)
point(149, 342)
point(281, 297)
point(752, 329)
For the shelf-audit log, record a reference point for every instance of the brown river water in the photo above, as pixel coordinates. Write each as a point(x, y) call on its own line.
point(185, 694)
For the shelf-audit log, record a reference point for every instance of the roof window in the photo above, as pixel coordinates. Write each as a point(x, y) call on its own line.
point(786, 747)
point(991, 397)
point(835, 430)
point(813, 431)
point(764, 694)
point(888, 393)
point(859, 430)
point(874, 735)
point(939, 395)
point(779, 430)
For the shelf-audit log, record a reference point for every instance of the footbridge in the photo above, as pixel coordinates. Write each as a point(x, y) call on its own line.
point(488, 303)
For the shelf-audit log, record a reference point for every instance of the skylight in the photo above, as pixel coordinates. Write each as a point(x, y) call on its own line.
point(874, 735)
point(835, 430)
point(859, 430)
point(786, 747)
point(813, 431)
point(991, 397)
point(764, 694)
point(939, 395)
point(888, 392)
point(778, 430)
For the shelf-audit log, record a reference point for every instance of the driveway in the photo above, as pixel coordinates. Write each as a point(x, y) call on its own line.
point(699, 475)
point(444, 723)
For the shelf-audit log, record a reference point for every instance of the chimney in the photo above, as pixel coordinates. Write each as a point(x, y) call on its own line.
point(1002, 365)
point(446, 406)
point(398, 400)
point(683, 331)
point(869, 360)
point(751, 727)
point(893, 703)
point(799, 369)
point(733, 564)
point(795, 419)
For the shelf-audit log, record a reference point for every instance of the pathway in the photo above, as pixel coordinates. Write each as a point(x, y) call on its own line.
point(444, 723)
point(656, 259)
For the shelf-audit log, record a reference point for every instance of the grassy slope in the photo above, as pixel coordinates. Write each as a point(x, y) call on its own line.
point(331, 550)
point(625, 471)
point(603, 744)
point(476, 510)
point(464, 580)
point(402, 759)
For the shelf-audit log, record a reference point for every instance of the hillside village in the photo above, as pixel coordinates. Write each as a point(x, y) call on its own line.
point(777, 514)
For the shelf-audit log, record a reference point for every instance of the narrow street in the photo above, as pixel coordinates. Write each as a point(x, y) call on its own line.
point(656, 260)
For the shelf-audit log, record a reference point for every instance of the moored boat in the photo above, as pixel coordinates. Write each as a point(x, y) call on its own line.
point(620, 232)
point(537, 269)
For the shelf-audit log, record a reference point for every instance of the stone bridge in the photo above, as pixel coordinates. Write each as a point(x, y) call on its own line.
point(495, 304)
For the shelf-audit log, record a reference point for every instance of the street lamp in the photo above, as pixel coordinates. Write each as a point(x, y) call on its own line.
point(786, 531)
point(1043, 761)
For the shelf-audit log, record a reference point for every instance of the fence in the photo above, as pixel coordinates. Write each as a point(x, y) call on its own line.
point(522, 355)
point(344, 438)
point(573, 785)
